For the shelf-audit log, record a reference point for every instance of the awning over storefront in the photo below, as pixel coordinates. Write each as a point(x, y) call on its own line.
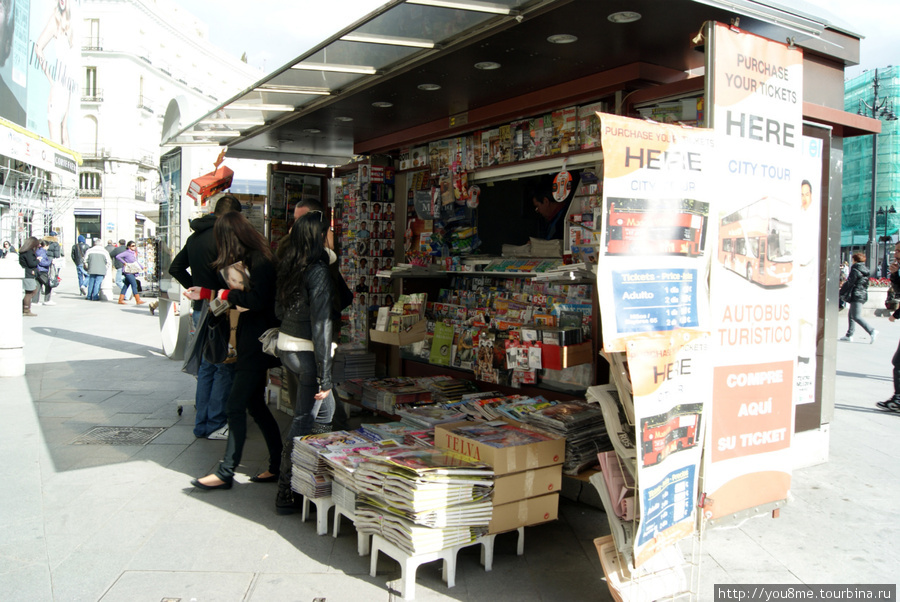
point(22, 145)
point(434, 70)
point(86, 211)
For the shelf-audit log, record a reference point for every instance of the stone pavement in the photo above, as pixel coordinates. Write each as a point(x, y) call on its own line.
point(121, 522)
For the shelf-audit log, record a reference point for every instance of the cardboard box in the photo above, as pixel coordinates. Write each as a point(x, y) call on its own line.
point(557, 357)
point(414, 334)
point(529, 483)
point(523, 513)
point(504, 460)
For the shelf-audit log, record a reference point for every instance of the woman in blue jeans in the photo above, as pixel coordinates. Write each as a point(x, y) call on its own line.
point(129, 271)
point(303, 301)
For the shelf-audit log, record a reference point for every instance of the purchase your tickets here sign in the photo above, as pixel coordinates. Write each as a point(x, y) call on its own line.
point(652, 266)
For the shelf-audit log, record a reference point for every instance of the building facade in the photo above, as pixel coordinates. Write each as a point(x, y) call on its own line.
point(138, 55)
point(857, 208)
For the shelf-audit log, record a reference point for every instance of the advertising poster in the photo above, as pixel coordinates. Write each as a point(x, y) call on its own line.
point(13, 59)
point(653, 259)
point(53, 69)
point(671, 379)
point(756, 90)
point(806, 250)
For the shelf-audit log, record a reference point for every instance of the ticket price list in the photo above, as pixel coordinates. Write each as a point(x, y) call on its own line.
point(655, 300)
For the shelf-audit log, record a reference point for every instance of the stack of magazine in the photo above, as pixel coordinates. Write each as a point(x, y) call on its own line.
point(343, 464)
point(422, 500)
point(349, 364)
point(583, 427)
point(310, 474)
point(427, 417)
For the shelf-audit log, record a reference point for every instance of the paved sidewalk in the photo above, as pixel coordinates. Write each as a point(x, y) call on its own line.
point(121, 522)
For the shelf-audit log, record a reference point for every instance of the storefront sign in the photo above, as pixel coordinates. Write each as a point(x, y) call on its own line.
point(756, 85)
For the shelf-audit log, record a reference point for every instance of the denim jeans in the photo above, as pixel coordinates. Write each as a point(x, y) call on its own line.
point(93, 286)
point(82, 276)
point(120, 282)
point(130, 283)
point(854, 315)
point(213, 386)
point(308, 410)
point(248, 394)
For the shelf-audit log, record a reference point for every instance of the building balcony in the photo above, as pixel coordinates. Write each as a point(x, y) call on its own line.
point(90, 192)
point(96, 153)
point(145, 104)
point(92, 44)
point(95, 95)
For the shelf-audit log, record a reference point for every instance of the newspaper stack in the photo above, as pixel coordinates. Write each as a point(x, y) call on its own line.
point(352, 364)
point(422, 500)
point(310, 473)
point(583, 427)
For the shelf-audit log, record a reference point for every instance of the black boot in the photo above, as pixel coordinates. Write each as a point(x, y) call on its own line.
point(321, 428)
point(287, 502)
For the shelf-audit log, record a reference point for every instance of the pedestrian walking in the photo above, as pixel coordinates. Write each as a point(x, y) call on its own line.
point(131, 267)
point(77, 254)
point(119, 278)
point(43, 274)
point(238, 241)
point(192, 266)
point(96, 263)
point(29, 262)
point(856, 292)
point(893, 403)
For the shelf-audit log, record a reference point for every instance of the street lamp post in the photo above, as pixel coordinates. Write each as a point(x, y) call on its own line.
point(879, 109)
point(885, 239)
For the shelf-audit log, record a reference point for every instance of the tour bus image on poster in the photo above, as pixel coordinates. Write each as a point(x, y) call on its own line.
point(656, 227)
point(669, 432)
point(756, 242)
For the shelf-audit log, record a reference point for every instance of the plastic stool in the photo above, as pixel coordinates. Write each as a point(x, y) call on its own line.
point(322, 506)
point(362, 539)
point(487, 547)
point(410, 564)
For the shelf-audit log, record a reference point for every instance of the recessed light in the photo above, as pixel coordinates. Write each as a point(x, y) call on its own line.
point(285, 141)
point(562, 38)
point(487, 65)
point(343, 118)
point(382, 104)
point(625, 16)
point(429, 87)
point(270, 147)
point(312, 131)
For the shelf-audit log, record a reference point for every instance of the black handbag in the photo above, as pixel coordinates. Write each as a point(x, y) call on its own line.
point(217, 334)
point(892, 300)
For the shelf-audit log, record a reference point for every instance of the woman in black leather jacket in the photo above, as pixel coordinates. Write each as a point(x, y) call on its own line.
point(238, 241)
point(304, 304)
point(855, 291)
point(28, 260)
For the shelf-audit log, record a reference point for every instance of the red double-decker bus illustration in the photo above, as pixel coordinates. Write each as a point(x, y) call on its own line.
point(671, 432)
point(756, 241)
point(656, 227)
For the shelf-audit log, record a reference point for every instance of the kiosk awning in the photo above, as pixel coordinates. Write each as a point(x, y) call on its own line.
point(429, 67)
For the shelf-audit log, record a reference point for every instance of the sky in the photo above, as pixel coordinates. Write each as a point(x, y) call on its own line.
point(273, 32)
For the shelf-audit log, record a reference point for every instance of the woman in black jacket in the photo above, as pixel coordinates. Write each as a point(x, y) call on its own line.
point(238, 241)
point(855, 291)
point(28, 260)
point(304, 302)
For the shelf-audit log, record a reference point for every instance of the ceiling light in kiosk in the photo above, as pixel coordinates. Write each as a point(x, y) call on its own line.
point(343, 118)
point(429, 87)
point(382, 104)
point(562, 38)
point(312, 131)
point(625, 16)
point(487, 65)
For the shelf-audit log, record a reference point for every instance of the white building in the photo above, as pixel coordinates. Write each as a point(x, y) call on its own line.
point(136, 56)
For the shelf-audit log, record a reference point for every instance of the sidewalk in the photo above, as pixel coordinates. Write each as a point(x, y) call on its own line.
point(121, 522)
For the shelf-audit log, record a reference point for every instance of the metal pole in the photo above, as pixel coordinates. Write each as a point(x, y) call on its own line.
point(872, 242)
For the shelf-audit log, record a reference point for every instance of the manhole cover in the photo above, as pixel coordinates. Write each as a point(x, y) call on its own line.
point(119, 435)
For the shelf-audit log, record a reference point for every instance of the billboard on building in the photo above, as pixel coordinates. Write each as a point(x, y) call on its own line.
point(40, 57)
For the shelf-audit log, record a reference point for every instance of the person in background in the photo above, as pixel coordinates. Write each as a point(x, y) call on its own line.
point(304, 301)
point(51, 243)
point(237, 240)
point(128, 257)
point(855, 292)
point(553, 214)
point(29, 261)
point(43, 274)
point(6, 249)
point(893, 403)
point(845, 270)
point(96, 264)
point(119, 266)
point(77, 255)
point(192, 266)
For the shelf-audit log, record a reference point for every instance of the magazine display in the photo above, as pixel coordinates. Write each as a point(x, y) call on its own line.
point(310, 474)
point(500, 435)
point(425, 417)
point(583, 427)
point(422, 500)
point(620, 433)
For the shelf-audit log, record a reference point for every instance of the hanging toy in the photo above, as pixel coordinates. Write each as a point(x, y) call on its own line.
point(473, 196)
point(562, 184)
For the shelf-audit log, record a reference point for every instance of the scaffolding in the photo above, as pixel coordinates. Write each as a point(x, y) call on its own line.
point(856, 208)
point(32, 200)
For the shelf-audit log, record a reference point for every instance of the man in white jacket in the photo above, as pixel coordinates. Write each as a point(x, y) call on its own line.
point(96, 262)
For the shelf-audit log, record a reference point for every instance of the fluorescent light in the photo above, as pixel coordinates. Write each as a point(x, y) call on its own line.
point(487, 65)
point(191, 143)
point(234, 122)
point(294, 90)
point(212, 134)
point(360, 69)
point(562, 38)
point(249, 106)
point(382, 104)
point(428, 87)
point(624, 16)
point(481, 7)
point(372, 38)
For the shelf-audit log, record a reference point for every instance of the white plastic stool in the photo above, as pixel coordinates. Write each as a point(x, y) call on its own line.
point(322, 506)
point(487, 547)
point(362, 539)
point(410, 564)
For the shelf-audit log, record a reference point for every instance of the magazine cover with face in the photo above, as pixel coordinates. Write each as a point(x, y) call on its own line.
point(236, 276)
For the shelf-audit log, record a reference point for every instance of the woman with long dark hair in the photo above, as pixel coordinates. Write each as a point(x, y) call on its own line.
point(304, 302)
point(130, 271)
point(856, 293)
point(29, 261)
point(237, 241)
